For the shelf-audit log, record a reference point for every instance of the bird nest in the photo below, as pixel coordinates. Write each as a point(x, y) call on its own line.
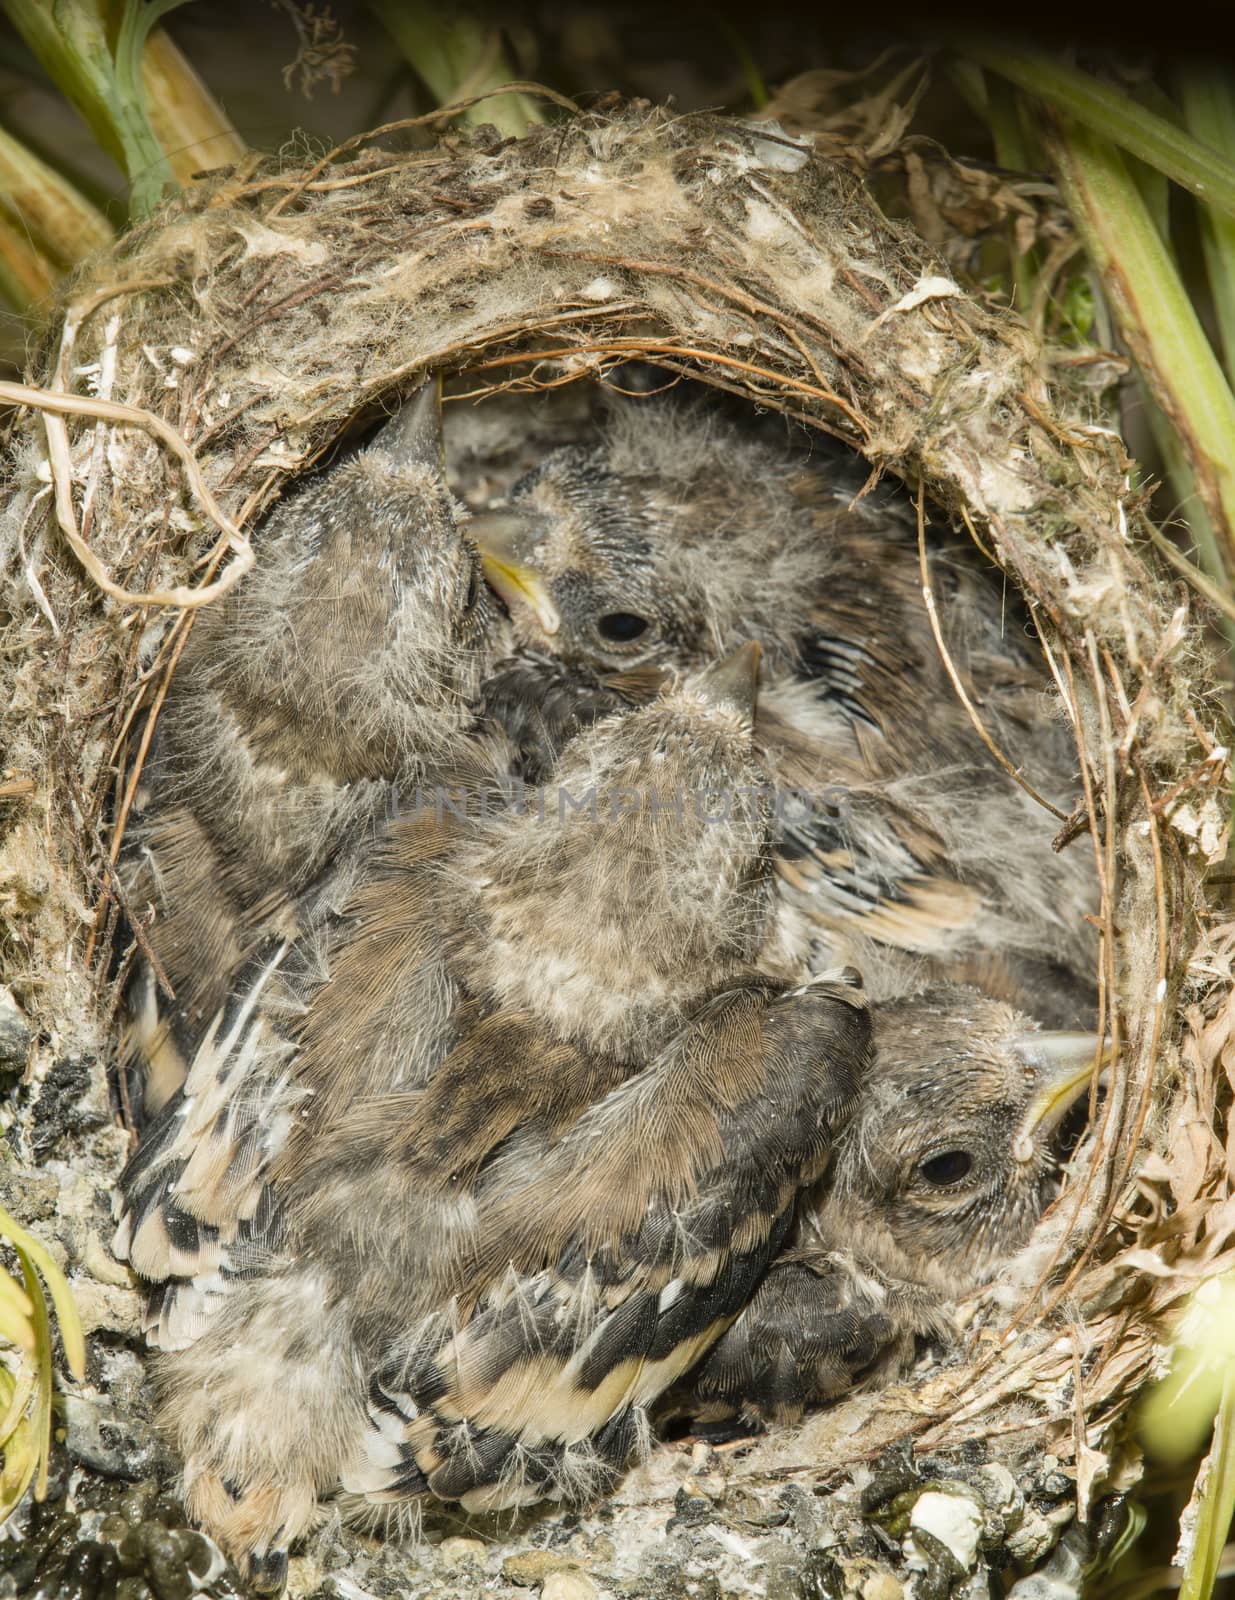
point(230, 341)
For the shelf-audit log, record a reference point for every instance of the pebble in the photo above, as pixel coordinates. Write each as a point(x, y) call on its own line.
point(103, 1307)
point(457, 1552)
point(530, 1567)
point(881, 1585)
point(569, 1586)
point(102, 1438)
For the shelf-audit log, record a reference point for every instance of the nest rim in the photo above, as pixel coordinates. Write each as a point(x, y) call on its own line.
point(1099, 1290)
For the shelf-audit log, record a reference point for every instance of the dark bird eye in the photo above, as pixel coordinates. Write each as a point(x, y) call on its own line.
point(947, 1168)
point(473, 589)
point(621, 626)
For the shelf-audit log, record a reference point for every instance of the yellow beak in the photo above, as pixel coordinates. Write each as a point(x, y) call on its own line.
point(1065, 1064)
point(497, 536)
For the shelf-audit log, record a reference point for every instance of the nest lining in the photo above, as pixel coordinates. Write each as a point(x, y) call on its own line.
point(261, 315)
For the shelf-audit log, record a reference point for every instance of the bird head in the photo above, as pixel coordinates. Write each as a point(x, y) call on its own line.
point(639, 877)
point(367, 625)
point(418, 551)
point(571, 559)
point(683, 805)
point(951, 1157)
point(675, 537)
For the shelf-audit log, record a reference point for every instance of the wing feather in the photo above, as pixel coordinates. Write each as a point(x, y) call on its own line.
point(616, 1257)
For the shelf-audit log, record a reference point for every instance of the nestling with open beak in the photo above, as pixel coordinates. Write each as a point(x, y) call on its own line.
point(670, 533)
point(938, 1179)
point(454, 1190)
point(342, 666)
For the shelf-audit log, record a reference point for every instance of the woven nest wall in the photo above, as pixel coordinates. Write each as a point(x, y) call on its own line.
point(226, 344)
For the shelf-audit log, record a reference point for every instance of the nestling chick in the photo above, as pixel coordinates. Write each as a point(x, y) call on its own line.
point(447, 1202)
point(938, 1179)
point(673, 533)
point(341, 667)
point(677, 1189)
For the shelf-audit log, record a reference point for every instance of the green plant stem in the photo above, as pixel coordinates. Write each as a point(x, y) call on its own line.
point(1209, 111)
point(66, 36)
point(70, 38)
point(1217, 1501)
point(970, 84)
point(1115, 116)
point(1012, 154)
point(1155, 316)
point(1156, 193)
point(1182, 480)
point(456, 56)
point(1010, 150)
point(193, 130)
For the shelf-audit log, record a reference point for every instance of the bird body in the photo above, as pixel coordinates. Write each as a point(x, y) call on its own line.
point(653, 537)
point(340, 671)
point(937, 1180)
point(665, 533)
point(508, 1147)
point(491, 1113)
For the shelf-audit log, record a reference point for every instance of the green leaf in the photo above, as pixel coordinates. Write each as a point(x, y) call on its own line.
point(27, 1447)
point(40, 1419)
point(1077, 311)
point(64, 224)
point(1209, 111)
point(16, 1315)
point(1115, 116)
point(30, 1250)
point(1216, 1501)
point(15, 1392)
point(26, 1439)
point(756, 88)
point(27, 277)
point(1153, 311)
point(21, 1459)
point(457, 56)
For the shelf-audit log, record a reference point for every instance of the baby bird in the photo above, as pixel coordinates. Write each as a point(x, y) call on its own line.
point(939, 1177)
point(655, 541)
point(453, 1191)
point(673, 532)
point(342, 667)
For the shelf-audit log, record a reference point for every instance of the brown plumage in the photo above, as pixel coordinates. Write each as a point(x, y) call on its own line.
point(454, 1189)
point(669, 529)
point(671, 1192)
point(668, 532)
point(937, 1180)
point(335, 676)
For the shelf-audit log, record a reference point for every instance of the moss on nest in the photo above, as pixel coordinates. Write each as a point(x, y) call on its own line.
point(268, 312)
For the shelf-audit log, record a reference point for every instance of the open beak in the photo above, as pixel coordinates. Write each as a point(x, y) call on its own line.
point(1064, 1064)
point(499, 536)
